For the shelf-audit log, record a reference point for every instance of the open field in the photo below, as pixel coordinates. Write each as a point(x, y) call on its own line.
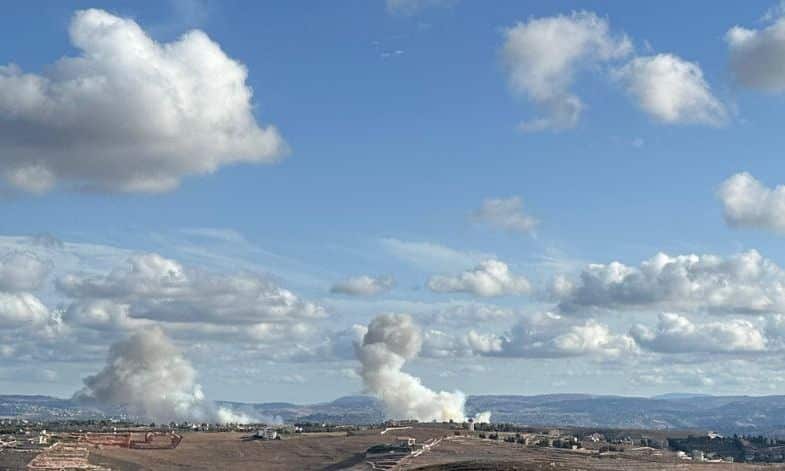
point(339, 450)
point(13, 460)
point(459, 454)
point(231, 451)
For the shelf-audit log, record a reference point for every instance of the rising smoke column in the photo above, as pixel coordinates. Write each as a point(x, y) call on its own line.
point(390, 341)
point(148, 375)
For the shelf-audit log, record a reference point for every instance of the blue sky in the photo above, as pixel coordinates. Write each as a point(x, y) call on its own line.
point(399, 123)
point(434, 127)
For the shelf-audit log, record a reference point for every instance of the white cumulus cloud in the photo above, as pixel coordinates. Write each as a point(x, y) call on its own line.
point(128, 113)
point(743, 283)
point(552, 336)
point(22, 271)
point(153, 287)
point(363, 285)
point(543, 55)
point(749, 203)
point(677, 334)
point(22, 309)
point(671, 90)
point(757, 56)
point(489, 278)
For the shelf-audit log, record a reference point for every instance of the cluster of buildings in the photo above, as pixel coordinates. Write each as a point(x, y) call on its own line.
point(25, 439)
point(714, 447)
point(552, 438)
point(703, 457)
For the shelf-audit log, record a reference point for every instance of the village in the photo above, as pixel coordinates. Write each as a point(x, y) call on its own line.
point(391, 445)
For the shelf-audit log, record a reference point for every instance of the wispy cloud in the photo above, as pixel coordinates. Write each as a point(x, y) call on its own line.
point(432, 256)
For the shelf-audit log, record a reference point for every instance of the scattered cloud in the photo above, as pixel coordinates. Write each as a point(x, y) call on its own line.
point(22, 271)
point(228, 236)
point(471, 313)
point(671, 90)
point(677, 334)
point(543, 55)
point(103, 314)
point(506, 214)
point(157, 288)
point(757, 56)
point(186, 110)
point(389, 54)
point(441, 344)
point(194, 305)
point(710, 378)
point(431, 256)
point(411, 7)
point(553, 336)
point(742, 283)
point(749, 203)
point(29, 375)
point(22, 309)
point(489, 278)
point(245, 317)
point(102, 292)
point(363, 285)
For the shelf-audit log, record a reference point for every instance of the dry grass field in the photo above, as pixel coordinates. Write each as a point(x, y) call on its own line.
point(230, 451)
point(11, 460)
point(462, 454)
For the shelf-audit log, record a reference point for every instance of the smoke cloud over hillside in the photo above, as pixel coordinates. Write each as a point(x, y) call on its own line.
point(148, 375)
point(390, 341)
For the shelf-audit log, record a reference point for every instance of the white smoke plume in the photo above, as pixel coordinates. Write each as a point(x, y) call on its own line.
point(390, 341)
point(482, 417)
point(148, 375)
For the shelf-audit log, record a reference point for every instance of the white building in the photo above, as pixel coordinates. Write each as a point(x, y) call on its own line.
point(406, 441)
point(597, 437)
point(267, 433)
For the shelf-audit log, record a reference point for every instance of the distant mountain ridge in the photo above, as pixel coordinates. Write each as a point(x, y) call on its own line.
point(725, 414)
point(670, 396)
